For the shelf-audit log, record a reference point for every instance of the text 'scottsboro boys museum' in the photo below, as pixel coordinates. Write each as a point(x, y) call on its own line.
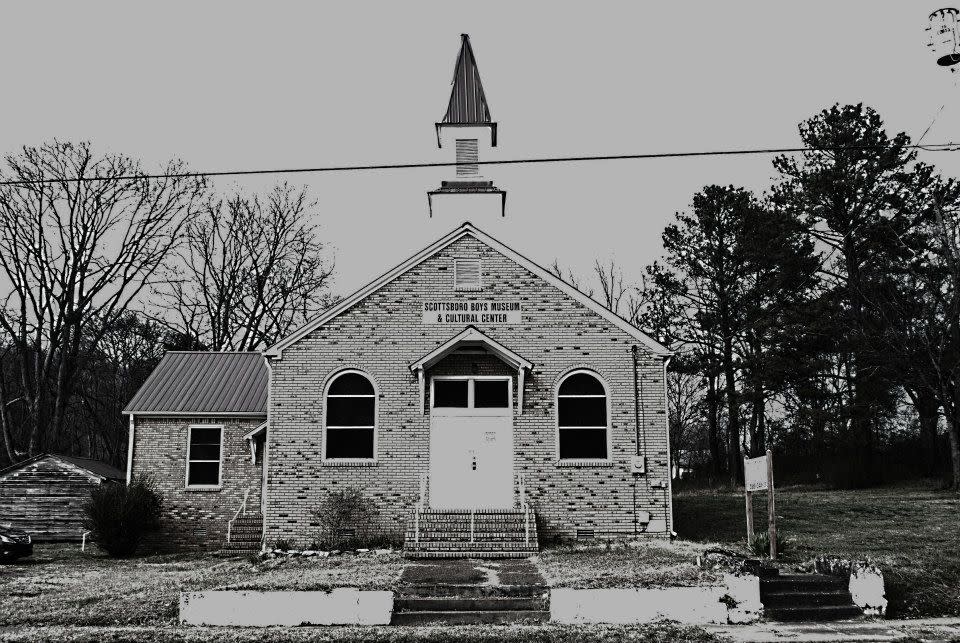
point(466, 384)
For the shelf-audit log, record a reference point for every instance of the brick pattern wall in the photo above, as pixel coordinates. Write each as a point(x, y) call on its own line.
point(384, 333)
point(195, 519)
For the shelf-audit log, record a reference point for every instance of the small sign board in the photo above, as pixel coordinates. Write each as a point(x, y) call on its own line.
point(755, 473)
point(459, 312)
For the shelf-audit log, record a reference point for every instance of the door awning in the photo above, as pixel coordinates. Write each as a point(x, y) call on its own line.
point(472, 338)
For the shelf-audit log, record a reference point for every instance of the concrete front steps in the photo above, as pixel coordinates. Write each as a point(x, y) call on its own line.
point(246, 534)
point(471, 604)
point(493, 533)
point(806, 597)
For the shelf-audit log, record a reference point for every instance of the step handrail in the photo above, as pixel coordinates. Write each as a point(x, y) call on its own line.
point(241, 511)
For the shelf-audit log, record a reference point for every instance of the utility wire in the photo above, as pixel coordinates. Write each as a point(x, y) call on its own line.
point(939, 147)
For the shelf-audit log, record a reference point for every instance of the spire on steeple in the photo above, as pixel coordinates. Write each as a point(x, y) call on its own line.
point(468, 104)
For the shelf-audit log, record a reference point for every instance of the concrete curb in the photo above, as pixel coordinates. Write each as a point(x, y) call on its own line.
point(736, 601)
point(341, 606)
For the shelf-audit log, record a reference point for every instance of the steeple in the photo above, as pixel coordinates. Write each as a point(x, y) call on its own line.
point(466, 122)
point(468, 104)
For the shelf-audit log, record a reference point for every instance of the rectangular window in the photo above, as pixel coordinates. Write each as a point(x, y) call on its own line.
point(583, 444)
point(466, 274)
point(203, 456)
point(491, 394)
point(451, 393)
point(350, 444)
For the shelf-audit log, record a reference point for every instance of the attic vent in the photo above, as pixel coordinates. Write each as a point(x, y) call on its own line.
point(585, 534)
point(466, 274)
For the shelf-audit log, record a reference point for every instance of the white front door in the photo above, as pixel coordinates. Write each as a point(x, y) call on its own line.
point(471, 443)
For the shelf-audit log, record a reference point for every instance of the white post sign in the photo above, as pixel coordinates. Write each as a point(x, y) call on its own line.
point(758, 476)
point(755, 473)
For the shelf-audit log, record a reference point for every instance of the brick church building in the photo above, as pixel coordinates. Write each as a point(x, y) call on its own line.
point(479, 400)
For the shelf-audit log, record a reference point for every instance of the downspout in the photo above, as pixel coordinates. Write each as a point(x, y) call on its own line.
point(669, 486)
point(130, 435)
point(637, 401)
point(265, 460)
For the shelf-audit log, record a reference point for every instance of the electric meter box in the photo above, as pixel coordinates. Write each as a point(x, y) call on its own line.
point(638, 464)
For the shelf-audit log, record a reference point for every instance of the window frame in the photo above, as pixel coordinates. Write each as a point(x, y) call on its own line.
point(479, 286)
point(470, 410)
point(376, 419)
point(186, 477)
point(556, 420)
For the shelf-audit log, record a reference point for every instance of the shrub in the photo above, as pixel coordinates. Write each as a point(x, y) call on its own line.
point(346, 518)
point(283, 544)
point(760, 545)
point(118, 515)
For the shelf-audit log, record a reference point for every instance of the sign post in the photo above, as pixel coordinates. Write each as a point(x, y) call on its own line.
point(748, 501)
point(758, 476)
point(771, 507)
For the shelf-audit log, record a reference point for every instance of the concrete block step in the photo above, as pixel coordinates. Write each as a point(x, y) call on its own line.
point(474, 546)
point(470, 618)
point(467, 553)
point(812, 613)
point(807, 599)
point(801, 583)
point(460, 538)
point(473, 591)
point(470, 604)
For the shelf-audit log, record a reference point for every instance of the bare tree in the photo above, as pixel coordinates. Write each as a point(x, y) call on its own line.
point(252, 270)
point(570, 278)
point(80, 237)
point(685, 395)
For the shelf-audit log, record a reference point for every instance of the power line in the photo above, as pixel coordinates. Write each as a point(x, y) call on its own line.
point(938, 147)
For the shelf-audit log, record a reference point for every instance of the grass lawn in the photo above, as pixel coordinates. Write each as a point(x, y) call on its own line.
point(60, 585)
point(664, 632)
point(912, 532)
point(643, 564)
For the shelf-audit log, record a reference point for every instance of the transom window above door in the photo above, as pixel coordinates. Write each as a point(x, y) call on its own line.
point(492, 394)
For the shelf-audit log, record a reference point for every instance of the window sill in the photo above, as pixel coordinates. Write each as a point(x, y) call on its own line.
point(584, 463)
point(348, 463)
point(202, 489)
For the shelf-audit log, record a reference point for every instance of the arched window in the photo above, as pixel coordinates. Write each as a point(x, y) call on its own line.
point(350, 417)
point(582, 417)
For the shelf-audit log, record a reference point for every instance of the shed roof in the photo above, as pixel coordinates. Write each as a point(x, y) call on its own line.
point(95, 467)
point(209, 383)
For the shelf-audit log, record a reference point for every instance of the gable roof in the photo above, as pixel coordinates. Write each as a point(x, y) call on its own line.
point(471, 336)
point(96, 468)
point(468, 103)
point(467, 229)
point(206, 383)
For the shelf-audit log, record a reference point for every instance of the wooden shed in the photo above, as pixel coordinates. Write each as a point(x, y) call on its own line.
point(45, 494)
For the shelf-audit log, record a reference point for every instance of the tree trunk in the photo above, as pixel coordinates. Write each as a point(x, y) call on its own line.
point(713, 430)
point(758, 445)
point(953, 430)
point(733, 415)
point(928, 416)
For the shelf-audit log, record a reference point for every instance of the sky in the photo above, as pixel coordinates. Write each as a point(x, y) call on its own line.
point(242, 85)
